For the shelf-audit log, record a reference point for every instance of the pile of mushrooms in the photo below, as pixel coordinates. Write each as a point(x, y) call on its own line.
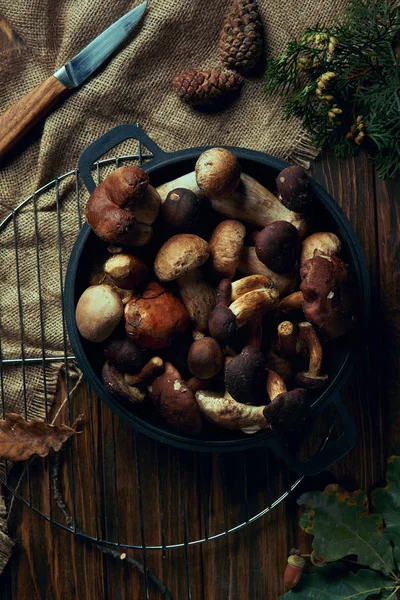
point(222, 329)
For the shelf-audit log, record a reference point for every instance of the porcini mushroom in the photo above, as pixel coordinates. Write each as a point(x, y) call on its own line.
point(217, 172)
point(250, 265)
point(287, 410)
point(294, 189)
point(311, 379)
point(254, 304)
point(155, 318)
point(287, 339)
point(175, 402)
point(125, 271)
point(198, 296)
point(248, 284)
point(98, 312)
point(115, 383)
point(320, 243)
point(150, 370)
point(182, 210)
point(180, 254)
point(226, 245)
point(205, 358)
point(125, 355)
point(222, 323)
point(245, 375)
point(278, 246)
point(123, 207)
point(328, 295)
point(291, 302)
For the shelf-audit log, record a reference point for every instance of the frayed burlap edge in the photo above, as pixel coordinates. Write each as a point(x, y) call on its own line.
point(6, 543)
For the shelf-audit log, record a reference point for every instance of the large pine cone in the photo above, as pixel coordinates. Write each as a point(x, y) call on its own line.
point(240, 43)
point(205, 87)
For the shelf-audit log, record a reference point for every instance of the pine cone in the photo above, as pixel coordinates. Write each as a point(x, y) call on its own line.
point(205, 87)
point(240, 42)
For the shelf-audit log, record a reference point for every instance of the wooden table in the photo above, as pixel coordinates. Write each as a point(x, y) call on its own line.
point(52, 564)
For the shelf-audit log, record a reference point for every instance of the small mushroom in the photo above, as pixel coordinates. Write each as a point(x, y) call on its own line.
point(226, 244)
point(198, 296)
point(311, 379)
point(248, 284)
point(222, 323)
point(175, 402)
point(278, 246)
point(288, 409)
point(245, 375)
point(205, 358)
point(250, 265)
point(287, 339)
point(217, 171)
point(180, 254)
point(115, 383)
point(254, 304)
point(294, 189)
point(328, 295)
point(155, 318)
point(125, 271)
point(291, 302)
point(182, 210)
point(125, 355)
point(320, 243)
point(150, 370)
point(98, 312)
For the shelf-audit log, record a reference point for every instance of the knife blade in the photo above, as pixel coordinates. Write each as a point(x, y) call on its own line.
point(36, 104)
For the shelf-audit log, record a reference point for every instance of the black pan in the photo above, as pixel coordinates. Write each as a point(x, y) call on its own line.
point(339, 360)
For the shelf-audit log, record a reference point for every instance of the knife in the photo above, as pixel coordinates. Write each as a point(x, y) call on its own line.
point(37, 103)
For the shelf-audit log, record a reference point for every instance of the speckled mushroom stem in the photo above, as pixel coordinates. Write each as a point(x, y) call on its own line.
point(292, 302)
point(287, 339)
point(307, 333)
point(274, 385)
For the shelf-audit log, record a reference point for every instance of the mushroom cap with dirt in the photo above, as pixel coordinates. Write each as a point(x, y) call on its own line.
point(180, 254)
point(98, 312)
point(226, 244)
point(217, 171)
point(294, 190)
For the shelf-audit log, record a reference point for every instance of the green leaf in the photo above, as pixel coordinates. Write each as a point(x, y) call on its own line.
point(335, 582)
point(387, 501)
point(341, 525)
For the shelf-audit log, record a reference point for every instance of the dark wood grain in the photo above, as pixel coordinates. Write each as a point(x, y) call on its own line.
point(50, 563)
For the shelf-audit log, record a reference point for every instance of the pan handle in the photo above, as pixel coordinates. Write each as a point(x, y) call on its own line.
point(107, 142)
point(328, 454)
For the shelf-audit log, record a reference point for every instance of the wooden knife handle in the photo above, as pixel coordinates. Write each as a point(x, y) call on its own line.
point(25, 113)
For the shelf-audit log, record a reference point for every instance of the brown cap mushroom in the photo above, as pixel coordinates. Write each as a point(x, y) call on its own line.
point(125, 355)
point(311, 379)
point(122, 208)
point(328, 295)
point(278, 246)
point(205, 358)
point(115, 383)
point(320, 243)
point(294, 189)
point(155, 318)
point(125, 271)
point(217, 171)
point(180, 254)
point(222, 322)
point(182, 210)
point(288, 409)
point(250, 265)
point(98, 312)
point(226, 244)
point(175, 402)
point(198, 297)
point(245, 375)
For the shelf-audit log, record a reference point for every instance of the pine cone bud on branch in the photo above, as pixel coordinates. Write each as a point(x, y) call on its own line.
point(240, 43)
point(206, 87)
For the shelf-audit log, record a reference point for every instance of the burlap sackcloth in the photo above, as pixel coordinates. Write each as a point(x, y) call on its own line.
point(135, 85)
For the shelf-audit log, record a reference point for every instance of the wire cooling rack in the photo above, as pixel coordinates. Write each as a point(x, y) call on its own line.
point(121, 488)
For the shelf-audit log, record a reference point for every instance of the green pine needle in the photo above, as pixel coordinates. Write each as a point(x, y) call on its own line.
point(358, 106)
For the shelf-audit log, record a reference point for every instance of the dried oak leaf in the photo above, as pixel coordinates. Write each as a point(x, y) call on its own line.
point(20, 439)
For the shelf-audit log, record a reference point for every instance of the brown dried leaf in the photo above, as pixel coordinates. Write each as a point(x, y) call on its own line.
point(20, 439)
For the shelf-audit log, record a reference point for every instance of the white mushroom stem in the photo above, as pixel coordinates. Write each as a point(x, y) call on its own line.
point(251, 202)
point(254, 304)
point(150, 370)
point(248, 284)
point(250, 265)
point(224, 411)
point(198, 297)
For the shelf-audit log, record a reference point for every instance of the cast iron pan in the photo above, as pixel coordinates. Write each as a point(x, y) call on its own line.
point(165, 167)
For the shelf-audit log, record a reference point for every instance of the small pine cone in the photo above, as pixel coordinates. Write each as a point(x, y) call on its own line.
point(205, 87)
point(240, 42)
